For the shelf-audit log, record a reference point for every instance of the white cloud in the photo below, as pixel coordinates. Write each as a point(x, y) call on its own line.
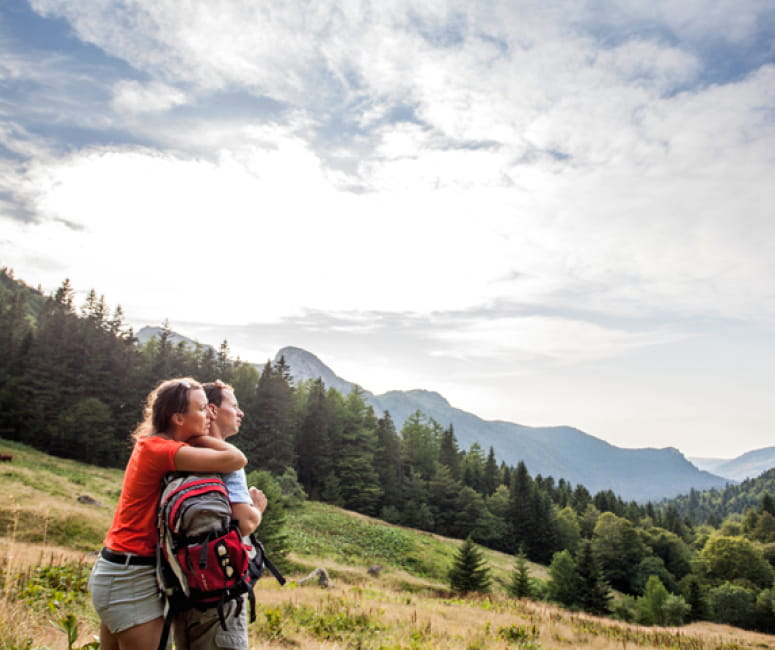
point(134, 97)
point(562, 340)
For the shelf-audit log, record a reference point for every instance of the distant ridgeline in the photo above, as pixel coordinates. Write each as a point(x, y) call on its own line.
point(561, 451)
point(73, 379)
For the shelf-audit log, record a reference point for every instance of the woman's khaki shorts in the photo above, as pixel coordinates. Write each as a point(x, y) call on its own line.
point(124, 595)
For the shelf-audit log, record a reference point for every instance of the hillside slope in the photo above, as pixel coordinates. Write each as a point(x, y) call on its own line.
point(407, 604)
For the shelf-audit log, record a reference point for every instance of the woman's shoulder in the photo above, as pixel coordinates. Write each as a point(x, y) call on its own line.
point(156, 444)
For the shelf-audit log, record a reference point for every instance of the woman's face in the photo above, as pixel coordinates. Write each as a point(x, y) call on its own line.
point(195, 421)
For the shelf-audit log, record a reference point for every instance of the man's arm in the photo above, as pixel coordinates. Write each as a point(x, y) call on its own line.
point(249, 515)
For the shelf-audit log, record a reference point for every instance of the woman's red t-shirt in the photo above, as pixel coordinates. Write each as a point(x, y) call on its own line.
point(134, 522)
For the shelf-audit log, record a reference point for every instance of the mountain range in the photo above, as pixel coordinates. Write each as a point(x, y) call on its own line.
point(561, 452)
point(641, 475)
point(748, 465)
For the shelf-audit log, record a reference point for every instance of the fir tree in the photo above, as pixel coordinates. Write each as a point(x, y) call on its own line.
point(313, 447)
point(389, 468)
point(274, 445)
point(520, 586)
point(492, 477)
point(355, 463)
point(593, 594)
point(469, 572)
point(449, 452)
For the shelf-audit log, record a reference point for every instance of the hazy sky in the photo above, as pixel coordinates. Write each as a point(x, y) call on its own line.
point(550, 212)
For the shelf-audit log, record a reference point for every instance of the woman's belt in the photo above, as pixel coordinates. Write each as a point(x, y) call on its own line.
point(128, 558)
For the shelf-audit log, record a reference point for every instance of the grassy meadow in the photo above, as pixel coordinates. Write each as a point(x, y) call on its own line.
point(48, 541)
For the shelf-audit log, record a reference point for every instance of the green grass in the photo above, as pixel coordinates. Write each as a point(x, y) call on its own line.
point(321, 530)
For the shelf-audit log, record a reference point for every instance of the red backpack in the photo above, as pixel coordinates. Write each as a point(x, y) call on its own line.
point(202, 559)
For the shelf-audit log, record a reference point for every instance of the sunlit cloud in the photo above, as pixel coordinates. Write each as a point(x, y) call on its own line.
point(562, 340)
point(240, 163)
point(134, 97)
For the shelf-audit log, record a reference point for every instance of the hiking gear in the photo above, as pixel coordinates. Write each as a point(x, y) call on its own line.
point(202, 559)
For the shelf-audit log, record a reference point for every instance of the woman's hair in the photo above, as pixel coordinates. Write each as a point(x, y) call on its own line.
point(164, 401)
point(214, 391)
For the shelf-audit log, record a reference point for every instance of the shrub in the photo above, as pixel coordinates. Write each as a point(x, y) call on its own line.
point(733, 605)
point(563, 583)
point(675, 610)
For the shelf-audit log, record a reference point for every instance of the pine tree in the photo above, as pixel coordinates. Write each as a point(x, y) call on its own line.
point(274, 445)
point(223, 365)
point(593, 593)
point(492, 477)
point(389, 468)
point(449, 452)
point(469, 572)
point(767, 504)
point(521, 515)
point(313, 447)
point(520, 586)
point(443, 493)
point(420, 444)
point(355, 463)
point(694, 595)
point(473, 468)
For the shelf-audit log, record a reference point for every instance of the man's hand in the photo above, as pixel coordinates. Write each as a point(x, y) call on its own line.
point(258, 498)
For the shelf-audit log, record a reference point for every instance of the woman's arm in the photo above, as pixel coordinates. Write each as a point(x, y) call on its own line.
point(209, 454)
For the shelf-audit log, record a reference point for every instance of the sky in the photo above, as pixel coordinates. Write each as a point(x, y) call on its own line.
point(550, 212)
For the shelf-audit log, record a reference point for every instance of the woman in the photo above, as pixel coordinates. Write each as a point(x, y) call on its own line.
point(172, 437)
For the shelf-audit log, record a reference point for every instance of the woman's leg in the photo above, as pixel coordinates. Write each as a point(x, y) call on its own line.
point(145, 636)
point(108, 640)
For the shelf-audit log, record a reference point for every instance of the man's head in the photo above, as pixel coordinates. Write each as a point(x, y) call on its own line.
point(227, 415)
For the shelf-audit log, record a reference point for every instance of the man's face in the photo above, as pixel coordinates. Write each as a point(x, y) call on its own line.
point(228, 416)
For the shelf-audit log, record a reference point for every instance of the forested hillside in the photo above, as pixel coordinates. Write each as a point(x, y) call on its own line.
point(713, 506)
point(72, 382)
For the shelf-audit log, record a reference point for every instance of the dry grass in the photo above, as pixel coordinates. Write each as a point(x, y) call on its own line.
point(379, 612)
point(393, 618)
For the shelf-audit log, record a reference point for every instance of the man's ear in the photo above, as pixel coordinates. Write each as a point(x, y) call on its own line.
point(213, 409)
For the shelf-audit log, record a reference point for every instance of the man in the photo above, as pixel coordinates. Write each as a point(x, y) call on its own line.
point(202, 630)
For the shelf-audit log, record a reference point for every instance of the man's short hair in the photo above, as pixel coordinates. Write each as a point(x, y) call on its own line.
point(214, 391)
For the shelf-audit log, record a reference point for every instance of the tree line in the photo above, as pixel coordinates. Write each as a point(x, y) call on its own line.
point(73, 379)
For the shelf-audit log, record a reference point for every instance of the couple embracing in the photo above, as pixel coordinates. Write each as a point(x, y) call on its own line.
point(184, 429)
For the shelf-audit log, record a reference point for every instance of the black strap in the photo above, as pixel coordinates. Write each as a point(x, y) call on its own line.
point(221, 617)
point(260, 562)
point(252, 601)
point(165, 632)
point(274, 570)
